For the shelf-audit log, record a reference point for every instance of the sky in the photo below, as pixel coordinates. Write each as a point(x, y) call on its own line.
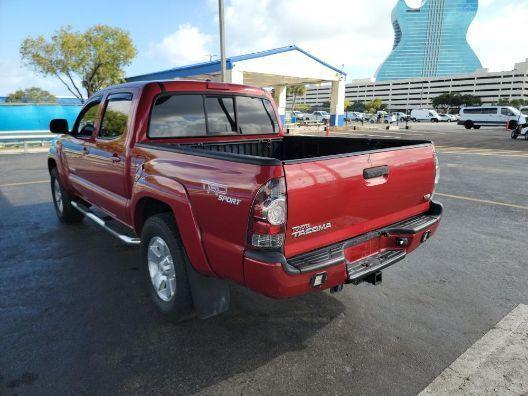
point(353, 34)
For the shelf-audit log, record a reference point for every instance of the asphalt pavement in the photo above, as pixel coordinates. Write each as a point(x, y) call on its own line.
point(75, 316)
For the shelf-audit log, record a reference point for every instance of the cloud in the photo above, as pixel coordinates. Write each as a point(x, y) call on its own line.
point(187, 45)
point(358, 34)
point(14, 76)
point(340, 32)
point(498, 34)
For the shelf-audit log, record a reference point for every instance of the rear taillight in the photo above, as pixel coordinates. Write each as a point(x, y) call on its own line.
point(267, 223)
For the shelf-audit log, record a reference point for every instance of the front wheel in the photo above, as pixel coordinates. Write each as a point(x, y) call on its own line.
point(165, 263)
point(62, 201)
point(468, 124)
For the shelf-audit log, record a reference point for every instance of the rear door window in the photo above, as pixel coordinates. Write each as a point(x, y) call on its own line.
point(254, 117)
point(115, 118)
point(178, 116)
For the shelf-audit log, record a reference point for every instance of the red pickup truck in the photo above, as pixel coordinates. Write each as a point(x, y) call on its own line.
point(202, 176)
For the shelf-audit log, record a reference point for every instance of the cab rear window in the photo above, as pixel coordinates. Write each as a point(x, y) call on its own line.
point(196, 115)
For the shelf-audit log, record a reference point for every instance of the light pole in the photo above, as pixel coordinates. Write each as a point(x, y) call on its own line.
point(222, 39)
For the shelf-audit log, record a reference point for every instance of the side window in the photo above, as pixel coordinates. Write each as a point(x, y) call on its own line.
point(116, 115)
point(85, 123)
point(506, 112)
point(177, 116)
point(253, 117)
point(220, 115)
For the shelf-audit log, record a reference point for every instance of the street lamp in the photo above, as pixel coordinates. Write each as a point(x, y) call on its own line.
point(222, 39)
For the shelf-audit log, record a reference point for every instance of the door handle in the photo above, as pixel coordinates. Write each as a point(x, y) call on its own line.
point(377, 171)
point(116, 158)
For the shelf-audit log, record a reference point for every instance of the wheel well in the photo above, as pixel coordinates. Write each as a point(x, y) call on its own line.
point(51, 164)
point(146, 208)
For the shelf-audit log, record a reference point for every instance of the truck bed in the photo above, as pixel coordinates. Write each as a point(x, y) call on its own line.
point(288, 149)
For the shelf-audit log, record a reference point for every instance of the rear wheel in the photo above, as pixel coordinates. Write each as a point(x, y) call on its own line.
point(468, 124)
point(62, 201)
point(165, 263)
point(434, 119)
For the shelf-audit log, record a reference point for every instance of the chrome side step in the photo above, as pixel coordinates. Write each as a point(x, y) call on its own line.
point(100, 222)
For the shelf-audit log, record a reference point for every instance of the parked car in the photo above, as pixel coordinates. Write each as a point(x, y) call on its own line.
point(476, 117)
point(317, 116)
point(418, 115)
point(390, 118)
point(298, 115)
point(211, 198)
point(356, 116)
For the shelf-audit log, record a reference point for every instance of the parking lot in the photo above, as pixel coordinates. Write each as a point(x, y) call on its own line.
point(75, 316)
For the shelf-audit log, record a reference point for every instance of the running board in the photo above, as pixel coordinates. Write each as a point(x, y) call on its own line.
point(100, 222)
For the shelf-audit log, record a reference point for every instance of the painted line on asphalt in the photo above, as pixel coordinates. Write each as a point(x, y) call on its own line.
point(494, 365)
point(483, 201)
point(24, 183)
point(484, 154)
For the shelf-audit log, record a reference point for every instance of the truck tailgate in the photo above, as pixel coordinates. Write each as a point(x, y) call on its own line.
point(334, 199)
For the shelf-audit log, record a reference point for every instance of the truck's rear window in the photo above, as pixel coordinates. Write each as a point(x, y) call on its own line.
point(188, 115)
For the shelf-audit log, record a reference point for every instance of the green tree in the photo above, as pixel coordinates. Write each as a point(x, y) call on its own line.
point(449, 100)
point(295, 91)
point(357, 106)
point(470, 100)
point(375, 105)
point(31, 95)
point(303, 107)
point(86, 61)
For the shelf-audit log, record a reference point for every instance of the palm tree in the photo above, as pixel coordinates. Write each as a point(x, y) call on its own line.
point(295, 90)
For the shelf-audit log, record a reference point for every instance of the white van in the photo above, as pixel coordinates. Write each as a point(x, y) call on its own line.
point(424, 115)
point(475, 117)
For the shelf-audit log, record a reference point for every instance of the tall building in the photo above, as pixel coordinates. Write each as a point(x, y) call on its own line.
point(430, 41)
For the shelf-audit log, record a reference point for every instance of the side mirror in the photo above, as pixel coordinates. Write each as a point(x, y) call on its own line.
point(59, 125)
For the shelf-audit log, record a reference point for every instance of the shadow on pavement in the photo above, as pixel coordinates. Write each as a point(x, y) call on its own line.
point(75, 316)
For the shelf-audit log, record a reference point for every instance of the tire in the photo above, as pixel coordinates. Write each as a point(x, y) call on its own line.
point(513, 125)
point(477, 126)
point(514, 134)
point(172, 295)
point(468, 124)
point(62, 201)
point(434, 120)
point(413, 119)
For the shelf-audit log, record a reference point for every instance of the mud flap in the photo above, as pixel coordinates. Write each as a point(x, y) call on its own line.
point(210, 296)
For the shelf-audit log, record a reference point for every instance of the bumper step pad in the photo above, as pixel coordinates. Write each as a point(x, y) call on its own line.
point(359, 270)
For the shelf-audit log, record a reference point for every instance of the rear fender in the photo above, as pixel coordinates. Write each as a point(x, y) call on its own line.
point(174, 195)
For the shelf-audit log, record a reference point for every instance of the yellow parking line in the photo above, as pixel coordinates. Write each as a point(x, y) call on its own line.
point(24, 183)
point(483, 201)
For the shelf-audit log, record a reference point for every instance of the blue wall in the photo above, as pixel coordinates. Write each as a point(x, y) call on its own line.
point(34, 117)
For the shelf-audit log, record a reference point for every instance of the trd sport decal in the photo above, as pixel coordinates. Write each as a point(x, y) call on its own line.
point(220, 190)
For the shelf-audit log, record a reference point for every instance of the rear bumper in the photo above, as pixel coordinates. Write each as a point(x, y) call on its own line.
point(350, 261)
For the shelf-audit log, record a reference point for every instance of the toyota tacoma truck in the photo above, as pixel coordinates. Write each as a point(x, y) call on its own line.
point(202, 177)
